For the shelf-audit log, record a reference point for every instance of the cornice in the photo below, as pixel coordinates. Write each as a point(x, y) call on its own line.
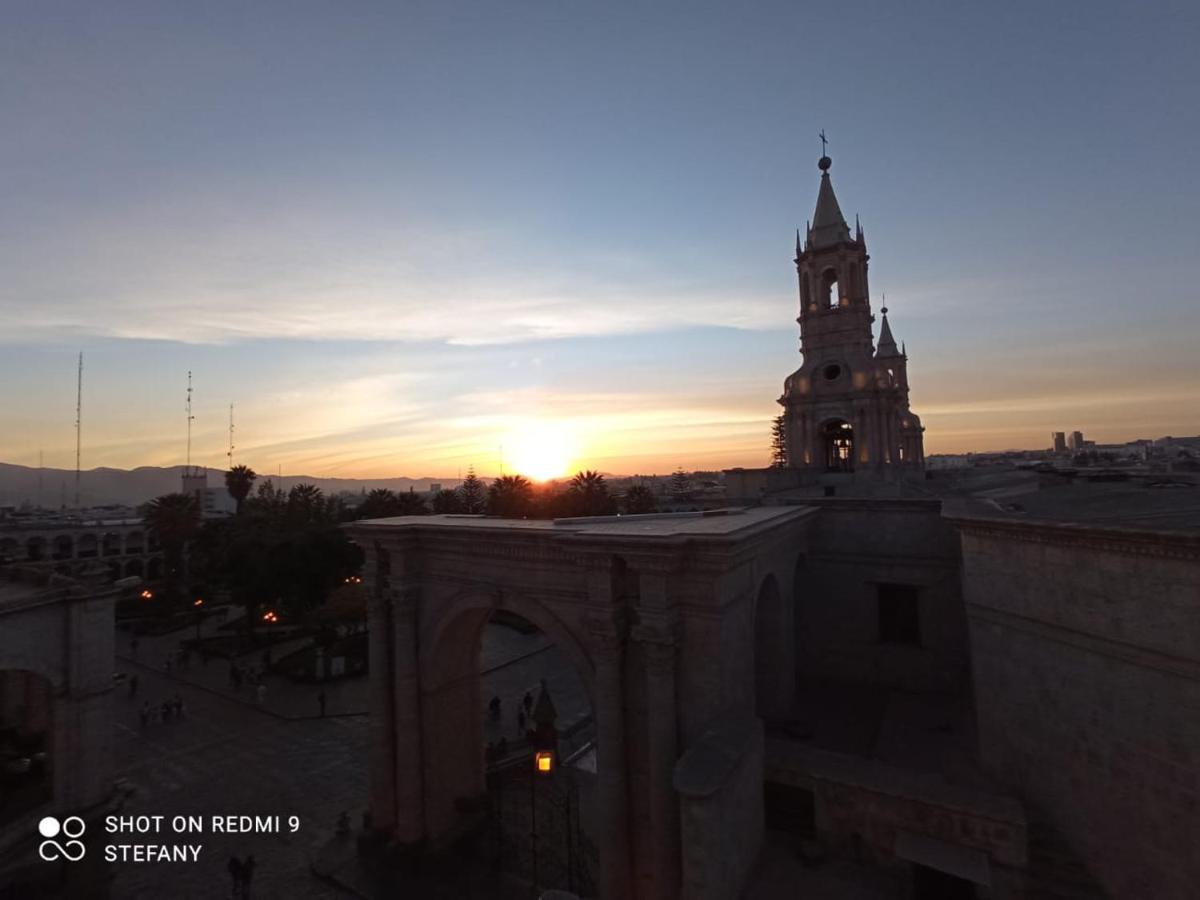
point(1183, 546)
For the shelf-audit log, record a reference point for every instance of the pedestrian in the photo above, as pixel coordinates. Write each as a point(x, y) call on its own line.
point(321, 702)
point(166, 710)
point(260, 693)
point(247, 874)
point(527, 701)
point(133, 645)
point(494, 707)
point(520, 722)
point(235, 872)
point(177, 703)
point(145, 713)
point(133, 685)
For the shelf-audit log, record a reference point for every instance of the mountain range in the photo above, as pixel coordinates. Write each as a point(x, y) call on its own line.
point(103, 487)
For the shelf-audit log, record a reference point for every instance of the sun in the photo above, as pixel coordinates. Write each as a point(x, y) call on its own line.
point(539, 450)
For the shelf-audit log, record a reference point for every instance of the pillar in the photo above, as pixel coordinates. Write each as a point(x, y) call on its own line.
point(613, 797)
point(406, 717)
point(382, 726)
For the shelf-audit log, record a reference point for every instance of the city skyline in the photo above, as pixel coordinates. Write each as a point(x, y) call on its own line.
point(395, 261)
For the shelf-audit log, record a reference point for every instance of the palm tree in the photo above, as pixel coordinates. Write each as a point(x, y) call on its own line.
point(411, 504)
point(639, 499)
point(238, 481)
point(448, 502)
point(510, 496)
point(174, 519)
point(379, 504)
point(589, 494)
point(306, 504)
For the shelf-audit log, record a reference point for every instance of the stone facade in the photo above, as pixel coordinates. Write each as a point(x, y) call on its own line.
point(1085, 648)
point(657, 613)
point(56, 653)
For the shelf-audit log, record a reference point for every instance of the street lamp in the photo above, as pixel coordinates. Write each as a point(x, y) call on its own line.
point(198, 603)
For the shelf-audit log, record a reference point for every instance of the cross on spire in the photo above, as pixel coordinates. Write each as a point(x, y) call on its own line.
point(823, 142)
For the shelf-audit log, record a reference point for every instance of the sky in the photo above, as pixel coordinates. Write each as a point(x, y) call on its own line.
point(409, 238)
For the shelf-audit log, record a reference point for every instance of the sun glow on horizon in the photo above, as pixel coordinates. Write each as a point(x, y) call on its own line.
point(540, 450)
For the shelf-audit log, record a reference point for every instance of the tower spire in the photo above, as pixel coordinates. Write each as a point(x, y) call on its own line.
point(828, 225)
point(887, 343)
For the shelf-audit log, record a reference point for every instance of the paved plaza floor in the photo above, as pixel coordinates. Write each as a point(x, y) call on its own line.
point(230, 755)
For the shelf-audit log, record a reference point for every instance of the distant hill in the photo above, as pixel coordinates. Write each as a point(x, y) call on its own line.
point(100, 487)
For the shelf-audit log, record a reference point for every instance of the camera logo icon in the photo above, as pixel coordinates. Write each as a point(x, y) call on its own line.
point(72, 827)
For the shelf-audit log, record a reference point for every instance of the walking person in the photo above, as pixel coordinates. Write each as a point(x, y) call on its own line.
point(144, 714)
point(247, 874)
point(133, 645)
point(235, 872)
point(321, 702)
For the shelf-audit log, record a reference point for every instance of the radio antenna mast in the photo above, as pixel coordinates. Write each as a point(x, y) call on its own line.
point(230, 453)
point(78, 426)
point(189, 423)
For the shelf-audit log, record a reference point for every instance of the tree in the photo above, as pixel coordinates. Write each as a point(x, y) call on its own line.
point(639, 499)
point(238, 481)
point(411, 503)
point(174, 519)
point(681, 485)
point(588, 495)
point(306, 505)
point(268, 503)
point(510, 496)
point(448, 502)
point(779, 453)
point(474, 494)
point(379, 504)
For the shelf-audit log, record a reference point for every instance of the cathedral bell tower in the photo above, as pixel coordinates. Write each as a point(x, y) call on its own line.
point(846, 408)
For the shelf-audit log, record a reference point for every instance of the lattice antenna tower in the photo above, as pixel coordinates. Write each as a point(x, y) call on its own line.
point(190, 417)
point(78, 426)
point(229, 453)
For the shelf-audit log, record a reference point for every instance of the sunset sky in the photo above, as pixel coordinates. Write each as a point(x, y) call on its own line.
point(399, 237)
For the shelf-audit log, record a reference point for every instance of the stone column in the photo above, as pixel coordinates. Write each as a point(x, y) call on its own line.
point(406, 716)
point(613, 796)
point(657, 633)
point(381, 724)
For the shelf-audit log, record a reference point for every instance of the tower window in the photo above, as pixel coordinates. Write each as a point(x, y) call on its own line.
point(832, 371)
point(899, 615)
point(829, 287)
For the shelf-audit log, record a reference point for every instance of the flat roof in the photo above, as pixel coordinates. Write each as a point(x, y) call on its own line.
point(715, 522)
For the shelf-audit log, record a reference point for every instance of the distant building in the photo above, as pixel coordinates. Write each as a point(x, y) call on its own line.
point(435, 487)
point(212, 502)
point(1058, 442)
point(1075, 441)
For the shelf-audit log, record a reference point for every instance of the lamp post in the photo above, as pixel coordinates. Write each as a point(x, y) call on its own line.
point(198, 603)
point(545, 744)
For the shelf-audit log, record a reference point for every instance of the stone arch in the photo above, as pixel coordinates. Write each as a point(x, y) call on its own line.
point(10, 549)
point(451, 698)
point(35, 548)
point(134, 542)
point(772, 651)
point(87, 546)
point(111, 543)
point(837, 445)
point(62, 547)
point(134, 567)
point(828, 292)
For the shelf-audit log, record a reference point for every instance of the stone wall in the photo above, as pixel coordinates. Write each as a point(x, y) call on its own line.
point(719, 781)
point(856, 545)
point(1086, 657)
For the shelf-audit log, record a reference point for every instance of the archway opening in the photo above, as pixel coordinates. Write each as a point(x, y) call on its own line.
point(829, 288)
point(838, 438)
point(772, 669)
point(35, 549)
point(26, 728)
point(64, 547)
point(498, 692)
